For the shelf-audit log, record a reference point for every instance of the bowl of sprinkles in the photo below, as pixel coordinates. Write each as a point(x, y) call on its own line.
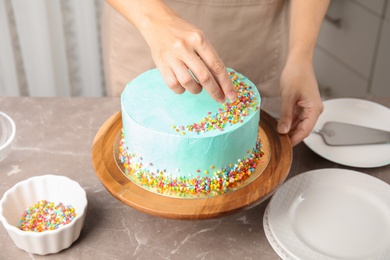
point(44, 214)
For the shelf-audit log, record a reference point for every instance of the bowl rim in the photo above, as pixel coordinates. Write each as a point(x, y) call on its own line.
point(13, 128)
point(79, 216)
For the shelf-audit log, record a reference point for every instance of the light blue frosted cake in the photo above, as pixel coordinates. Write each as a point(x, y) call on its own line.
point(188, 144)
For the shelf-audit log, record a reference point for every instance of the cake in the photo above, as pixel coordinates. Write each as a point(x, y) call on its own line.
point(188, 144)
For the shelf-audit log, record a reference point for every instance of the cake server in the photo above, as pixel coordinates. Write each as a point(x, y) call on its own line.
point(338, 133)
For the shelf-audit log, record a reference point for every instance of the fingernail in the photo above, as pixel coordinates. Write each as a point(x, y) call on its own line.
point(232, 95)
point(282, 128)
point(221, 100)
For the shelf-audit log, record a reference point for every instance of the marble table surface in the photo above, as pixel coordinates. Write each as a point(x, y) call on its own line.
point(55, 135)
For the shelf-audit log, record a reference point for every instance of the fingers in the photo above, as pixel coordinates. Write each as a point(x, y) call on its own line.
point(196, 76)
point(186, 79)
point(304, 121)
point(178, 78)
point(298, 118)
point(223, 81)
point(205, 78)
point(300, 132)
point(170, 79)
point(201, 67)
point(286, 115)
point(188, 61)
point(221, 86)
point(209, 83)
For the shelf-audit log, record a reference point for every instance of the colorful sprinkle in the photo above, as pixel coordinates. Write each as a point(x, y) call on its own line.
point(45, 215)
point(217, 181)
point(230, 114)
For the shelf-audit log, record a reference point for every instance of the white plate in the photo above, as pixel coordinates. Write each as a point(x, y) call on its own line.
point(330, 214)
point(359, 112)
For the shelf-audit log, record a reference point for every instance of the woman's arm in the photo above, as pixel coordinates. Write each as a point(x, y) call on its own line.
point(301, 101)
point(178, 46)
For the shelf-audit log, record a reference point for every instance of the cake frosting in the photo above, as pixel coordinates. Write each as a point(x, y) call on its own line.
point(188, 143)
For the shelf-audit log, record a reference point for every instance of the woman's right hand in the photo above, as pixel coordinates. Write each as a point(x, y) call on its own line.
point(179, 49)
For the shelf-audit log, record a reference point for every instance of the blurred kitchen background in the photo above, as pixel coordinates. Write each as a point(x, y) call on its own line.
point(53, 48)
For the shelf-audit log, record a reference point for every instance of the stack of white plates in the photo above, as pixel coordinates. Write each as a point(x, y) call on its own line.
point(330, 214)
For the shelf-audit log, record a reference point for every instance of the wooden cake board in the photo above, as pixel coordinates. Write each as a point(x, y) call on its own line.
point(272, 171)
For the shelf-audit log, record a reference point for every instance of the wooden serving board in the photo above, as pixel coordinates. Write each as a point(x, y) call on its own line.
point(272, 172)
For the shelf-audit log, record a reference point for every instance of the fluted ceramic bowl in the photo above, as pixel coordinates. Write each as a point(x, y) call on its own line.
point(7, 134)
point(52, 188)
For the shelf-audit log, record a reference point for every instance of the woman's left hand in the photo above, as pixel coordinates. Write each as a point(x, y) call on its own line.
point(301, 100)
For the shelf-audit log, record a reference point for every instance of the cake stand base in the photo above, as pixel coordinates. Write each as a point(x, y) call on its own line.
point(270, 174)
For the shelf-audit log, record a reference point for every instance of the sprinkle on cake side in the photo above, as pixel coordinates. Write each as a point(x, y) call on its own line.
point(206, 178)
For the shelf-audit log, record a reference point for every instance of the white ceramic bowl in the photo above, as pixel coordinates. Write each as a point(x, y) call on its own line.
point(7, 134)
point(25, 194)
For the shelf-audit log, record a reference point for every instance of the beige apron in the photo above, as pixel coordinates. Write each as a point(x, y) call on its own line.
point(250, 36)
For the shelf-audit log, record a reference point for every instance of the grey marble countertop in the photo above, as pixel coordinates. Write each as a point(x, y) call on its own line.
point(55, 135)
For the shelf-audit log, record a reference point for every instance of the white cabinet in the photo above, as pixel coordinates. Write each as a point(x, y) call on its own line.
point(353, 43)
point(352, 59)
point(388, 12)
point(335, 79)
point(381, 78)
point(374, 5)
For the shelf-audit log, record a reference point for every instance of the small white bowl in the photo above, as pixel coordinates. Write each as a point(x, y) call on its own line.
point(7, 134)
point(25, 194)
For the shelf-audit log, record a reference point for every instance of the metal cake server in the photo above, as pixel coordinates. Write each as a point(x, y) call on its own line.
point(338, 133)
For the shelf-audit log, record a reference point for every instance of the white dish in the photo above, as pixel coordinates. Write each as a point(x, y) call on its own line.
point(354, 111)
point(330, 214)
point(25, 194)
point(7, 134)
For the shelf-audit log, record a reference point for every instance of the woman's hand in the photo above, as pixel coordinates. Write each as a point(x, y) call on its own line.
point(301, 100)
point(182, 53)
point(179, 49)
